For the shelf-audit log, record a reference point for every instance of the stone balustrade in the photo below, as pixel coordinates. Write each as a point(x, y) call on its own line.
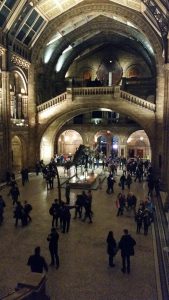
point(104, 90)
point(138, 101)
point(94, 91)
point(54, 101)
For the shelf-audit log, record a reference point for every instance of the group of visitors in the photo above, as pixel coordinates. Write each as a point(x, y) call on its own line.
point(22, 213)
point(126, 245)
point(60, 213)
point(61, 216)
point(126, 203)
point(144, 216)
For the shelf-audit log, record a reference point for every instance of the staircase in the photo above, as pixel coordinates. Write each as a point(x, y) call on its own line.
point(113, 93)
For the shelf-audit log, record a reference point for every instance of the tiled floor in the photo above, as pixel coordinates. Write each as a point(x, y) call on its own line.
point(84, 273)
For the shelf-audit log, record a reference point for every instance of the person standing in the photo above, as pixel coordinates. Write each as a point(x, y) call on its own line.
point(122, 181)
point(53, 238)
point(14, 192)
point(54, 212)
point(37, 262)
point(126, 245)
point(111, 248)
point(128, 181)
point(120, 204)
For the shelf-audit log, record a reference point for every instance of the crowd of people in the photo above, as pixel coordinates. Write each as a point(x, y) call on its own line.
point(142, 212)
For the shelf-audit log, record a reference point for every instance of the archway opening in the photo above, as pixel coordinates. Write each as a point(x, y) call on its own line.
point(108, 135)
point(17, 153)
point(102, 145)
point(68, 142)
point(138, 145)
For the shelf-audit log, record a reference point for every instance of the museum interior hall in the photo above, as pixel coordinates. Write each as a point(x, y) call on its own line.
point(91, 75)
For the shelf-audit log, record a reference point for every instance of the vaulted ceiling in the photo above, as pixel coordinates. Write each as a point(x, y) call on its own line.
point(60, 25)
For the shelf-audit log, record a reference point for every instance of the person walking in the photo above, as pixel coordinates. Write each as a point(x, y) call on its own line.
point(111, 248)
point(15, 193)
point(19, 214)
point(139, 220)
point(53, 238)
point(27, 209)
point(128, 181)
point(37, 262)
point(126, 245)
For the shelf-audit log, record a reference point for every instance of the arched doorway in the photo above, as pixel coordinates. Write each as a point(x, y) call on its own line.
point(102, 145)
point(17, 153)
point(115, 146)
point(68, 142)
point(138, 145)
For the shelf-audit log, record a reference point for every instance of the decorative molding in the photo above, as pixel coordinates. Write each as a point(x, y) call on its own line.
point(19, 61)
point(2, 50)
point(34, 2)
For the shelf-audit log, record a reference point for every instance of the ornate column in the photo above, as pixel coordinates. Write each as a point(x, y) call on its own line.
point(156, 138)
point(165, 158)
point(33, 147)
point(5, 109)
point(110, 78)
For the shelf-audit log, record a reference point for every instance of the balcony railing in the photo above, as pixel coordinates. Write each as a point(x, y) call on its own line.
point(54, 101)
point(104, 90)
point(138, 101)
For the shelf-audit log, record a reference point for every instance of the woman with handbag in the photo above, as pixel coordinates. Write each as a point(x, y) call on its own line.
point(111, 248)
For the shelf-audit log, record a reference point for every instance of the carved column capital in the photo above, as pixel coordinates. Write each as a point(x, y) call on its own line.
point(19, 61)
point(2, 50)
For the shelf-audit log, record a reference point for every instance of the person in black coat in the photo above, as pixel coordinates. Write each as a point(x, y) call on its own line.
point(37, 262)
point(111, 248)
point(126, 245)
point(54, 212)
point(53, 238)
point(65, 216)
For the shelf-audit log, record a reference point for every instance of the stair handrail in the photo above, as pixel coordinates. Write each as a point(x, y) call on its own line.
point(54, 101)
point(138, 101)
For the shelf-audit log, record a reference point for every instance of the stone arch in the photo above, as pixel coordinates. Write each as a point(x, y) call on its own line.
point(99, 8)
point(134, 70)
point(68, 141)
point(18, 93)
point(48, 131)
point(138, 144)
point(22, 75)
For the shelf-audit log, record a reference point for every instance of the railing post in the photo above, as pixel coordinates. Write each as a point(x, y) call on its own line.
point(70, 94)
point(116, 91)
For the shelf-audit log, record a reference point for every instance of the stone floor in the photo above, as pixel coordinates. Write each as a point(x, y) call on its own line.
point(84, 273)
